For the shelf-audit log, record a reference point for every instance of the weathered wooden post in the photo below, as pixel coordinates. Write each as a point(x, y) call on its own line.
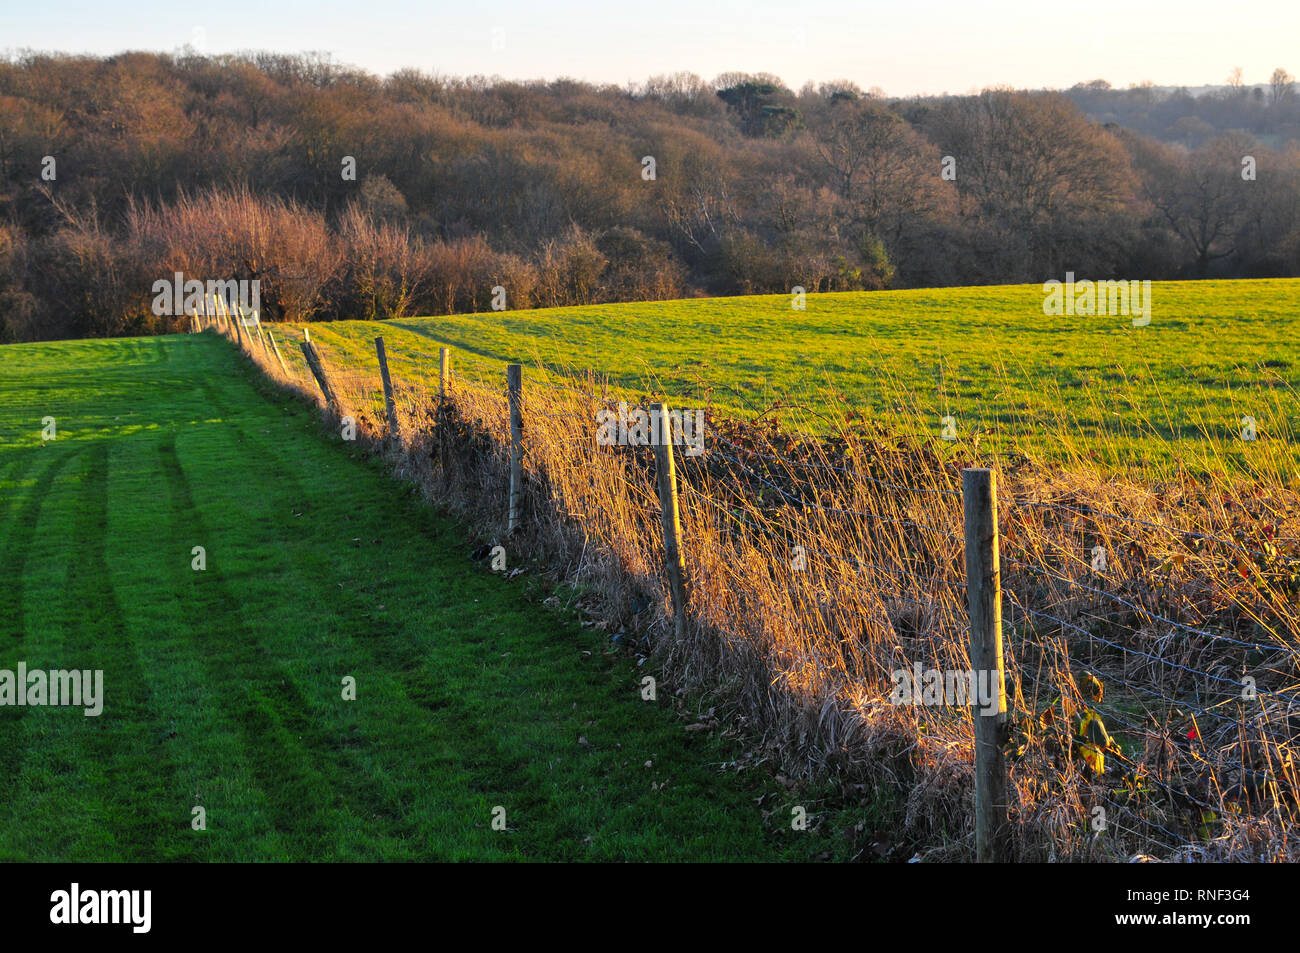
point(514, 390)
point(318, 371)
point(278, 356)
point(984, 593)
point(670, 514)
point(238, 320)
point(389, 403)
point(444, 371)
point(265, 350)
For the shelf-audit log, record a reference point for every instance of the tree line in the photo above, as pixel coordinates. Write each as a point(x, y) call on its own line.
point(353, 196)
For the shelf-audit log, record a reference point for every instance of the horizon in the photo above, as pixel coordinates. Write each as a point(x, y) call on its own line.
point(946, 49)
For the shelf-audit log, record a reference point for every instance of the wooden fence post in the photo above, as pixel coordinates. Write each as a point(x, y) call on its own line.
point(389, 403)
point(265, 350)
point(444, 371)
point(670, 514)
point(278, 356)
point(514, 390)
point(318, 371)
point(984, 593)
point(238, 320)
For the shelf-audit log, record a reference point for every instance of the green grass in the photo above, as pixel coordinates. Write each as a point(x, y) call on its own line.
point(223, 687)
point(1172, 392)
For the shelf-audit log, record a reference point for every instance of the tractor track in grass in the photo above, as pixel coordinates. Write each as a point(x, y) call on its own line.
point(386, 647)
point(424, 702)
point(264, 700)
point(98, 638)
point(18, 537)
point(13, 561)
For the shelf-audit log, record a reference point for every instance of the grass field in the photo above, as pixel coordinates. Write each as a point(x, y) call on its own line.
point(1173, 392)
point(223, 686)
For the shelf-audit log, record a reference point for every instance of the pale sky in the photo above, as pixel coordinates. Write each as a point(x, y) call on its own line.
point(903, 46)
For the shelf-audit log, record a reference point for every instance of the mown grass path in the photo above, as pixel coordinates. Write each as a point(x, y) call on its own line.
point(223, 688)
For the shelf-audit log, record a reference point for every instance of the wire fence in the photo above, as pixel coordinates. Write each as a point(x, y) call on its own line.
point(1152, 657)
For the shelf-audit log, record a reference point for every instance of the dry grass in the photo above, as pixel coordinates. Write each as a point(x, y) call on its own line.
point(819, 567)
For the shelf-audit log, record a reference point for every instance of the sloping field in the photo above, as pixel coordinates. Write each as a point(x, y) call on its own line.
point(1077, 388)
point(222, 688)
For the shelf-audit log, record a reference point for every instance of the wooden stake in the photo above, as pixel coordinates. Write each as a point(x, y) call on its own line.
point(389, 403)
point(670, 515)
point(318, 371)
point(984, 593)
point(444, 371)
point(265, 350)
point(514, 388)
point(278, 355)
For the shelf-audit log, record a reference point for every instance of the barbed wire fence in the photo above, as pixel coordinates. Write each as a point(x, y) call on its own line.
point(1151, 661)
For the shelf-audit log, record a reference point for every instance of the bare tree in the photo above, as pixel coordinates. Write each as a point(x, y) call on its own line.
point(1282, 85)
point(1035, 176)
point(882, 167)
point(1200, 194)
